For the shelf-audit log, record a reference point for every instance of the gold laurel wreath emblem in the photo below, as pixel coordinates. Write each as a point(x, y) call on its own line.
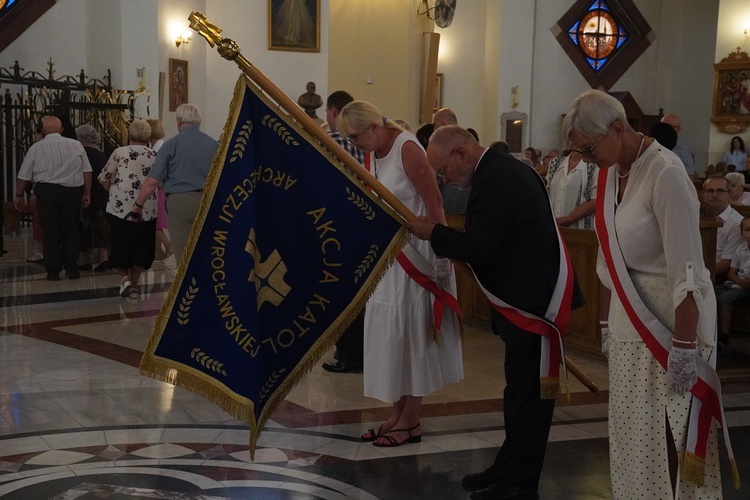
point(270, 383)
point(361, 203)
point(276, 126)
point(369, 259)
point(241, 143)
point(207, 361)
point(183, 313)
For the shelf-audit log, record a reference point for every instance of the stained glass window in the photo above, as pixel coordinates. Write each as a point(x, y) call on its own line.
point(598, 34)
point(603, 38)
point(6, 4)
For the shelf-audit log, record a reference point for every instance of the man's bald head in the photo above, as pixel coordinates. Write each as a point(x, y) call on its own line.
point(51, 125)
point(453, 153)
point(443, 117)
point(674, 121)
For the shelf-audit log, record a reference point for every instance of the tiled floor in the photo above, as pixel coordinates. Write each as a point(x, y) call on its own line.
point(77, 420)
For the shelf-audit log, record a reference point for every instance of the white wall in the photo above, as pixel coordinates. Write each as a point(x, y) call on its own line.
point(124, 35)
point(462, 50)
point(59, 34)
point(513, 38)
point(246, 22)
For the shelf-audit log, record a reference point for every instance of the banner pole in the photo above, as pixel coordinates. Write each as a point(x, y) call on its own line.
point(229, 50)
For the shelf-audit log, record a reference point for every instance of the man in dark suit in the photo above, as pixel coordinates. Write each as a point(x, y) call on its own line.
point(511, 242)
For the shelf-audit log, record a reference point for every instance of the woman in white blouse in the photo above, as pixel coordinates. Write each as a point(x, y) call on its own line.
point(736, 154)
point(572, 190)
point(658, 306)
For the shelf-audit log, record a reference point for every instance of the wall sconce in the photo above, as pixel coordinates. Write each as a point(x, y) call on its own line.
point(182, 39)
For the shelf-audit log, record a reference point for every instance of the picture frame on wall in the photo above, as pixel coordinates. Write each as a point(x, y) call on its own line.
point(731, 100)
point(178, 83)
point(438, 92)
point(294, 25)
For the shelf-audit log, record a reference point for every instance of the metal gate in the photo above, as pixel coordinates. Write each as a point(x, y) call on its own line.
point(30, 95)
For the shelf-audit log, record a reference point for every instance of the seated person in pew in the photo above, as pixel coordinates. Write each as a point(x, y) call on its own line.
point(737, 286)
point(728, 237)
point(737, 193)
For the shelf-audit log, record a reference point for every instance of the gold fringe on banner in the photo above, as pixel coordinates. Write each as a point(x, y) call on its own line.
point(549, 387)
point(196, 381)
point(693, 468)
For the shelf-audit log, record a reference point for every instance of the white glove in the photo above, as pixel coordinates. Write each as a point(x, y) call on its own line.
point(681, 369)
point(605, 341)
point(443, 273)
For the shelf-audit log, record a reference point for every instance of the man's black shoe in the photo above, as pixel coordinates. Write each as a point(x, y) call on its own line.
point(72, 274)
point(339, 367)
point(482, 479)
point(53, 276)
point(504, 491)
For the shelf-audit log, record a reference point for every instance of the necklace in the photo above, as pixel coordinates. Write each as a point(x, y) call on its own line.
point(638, 155)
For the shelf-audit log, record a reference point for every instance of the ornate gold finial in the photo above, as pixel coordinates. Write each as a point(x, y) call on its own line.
point(205, 29)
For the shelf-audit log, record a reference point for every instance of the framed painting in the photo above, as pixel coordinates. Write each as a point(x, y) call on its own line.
point(731, 99)
point(438, 95)
point(294, 25)
point(178, 83)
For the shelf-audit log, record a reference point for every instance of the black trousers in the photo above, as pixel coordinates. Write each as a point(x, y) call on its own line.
point(527, 417)
point(350, 347)
point(59, 209)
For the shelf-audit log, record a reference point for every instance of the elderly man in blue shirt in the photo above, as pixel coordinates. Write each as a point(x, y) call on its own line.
point(182, 165)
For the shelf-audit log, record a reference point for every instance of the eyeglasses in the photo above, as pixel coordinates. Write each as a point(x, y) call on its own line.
point(441, 172)
point(718, 191)
point(354, 137)
point(589, 152)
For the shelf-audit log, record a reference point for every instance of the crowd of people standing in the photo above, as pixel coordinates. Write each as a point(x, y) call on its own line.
point(84, 200)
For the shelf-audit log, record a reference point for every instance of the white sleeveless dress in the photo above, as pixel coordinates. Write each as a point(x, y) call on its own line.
point(401, 354)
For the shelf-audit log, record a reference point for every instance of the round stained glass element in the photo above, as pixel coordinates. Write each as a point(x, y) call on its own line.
point(598, 34)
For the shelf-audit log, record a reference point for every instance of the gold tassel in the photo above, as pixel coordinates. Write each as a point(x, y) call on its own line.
point(549, 387)
point(735, 474)
point(436, 335)
point(693, 468)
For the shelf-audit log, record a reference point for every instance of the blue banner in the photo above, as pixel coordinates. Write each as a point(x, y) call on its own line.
point(286, 248)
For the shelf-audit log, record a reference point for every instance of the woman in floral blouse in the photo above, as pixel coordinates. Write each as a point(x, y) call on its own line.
point(133, 237)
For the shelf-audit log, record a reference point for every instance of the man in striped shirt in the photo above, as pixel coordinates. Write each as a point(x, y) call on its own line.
point(61, 173)
point(350, 346)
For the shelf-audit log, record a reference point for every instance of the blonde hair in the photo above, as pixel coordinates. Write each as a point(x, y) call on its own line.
point(139, 131)
point(157, 129)
point(358, 115)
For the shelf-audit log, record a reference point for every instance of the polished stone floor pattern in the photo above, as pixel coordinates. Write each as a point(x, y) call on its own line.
point(78, 420)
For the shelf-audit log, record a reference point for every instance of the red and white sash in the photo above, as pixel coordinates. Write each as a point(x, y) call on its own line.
point(707, 403)
point(551, 327)
point(418, 269)
point(554, 323)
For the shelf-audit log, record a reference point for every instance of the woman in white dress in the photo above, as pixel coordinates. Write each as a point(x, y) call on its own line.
point(658, 306)
point(572, 190)
point(406, 358)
